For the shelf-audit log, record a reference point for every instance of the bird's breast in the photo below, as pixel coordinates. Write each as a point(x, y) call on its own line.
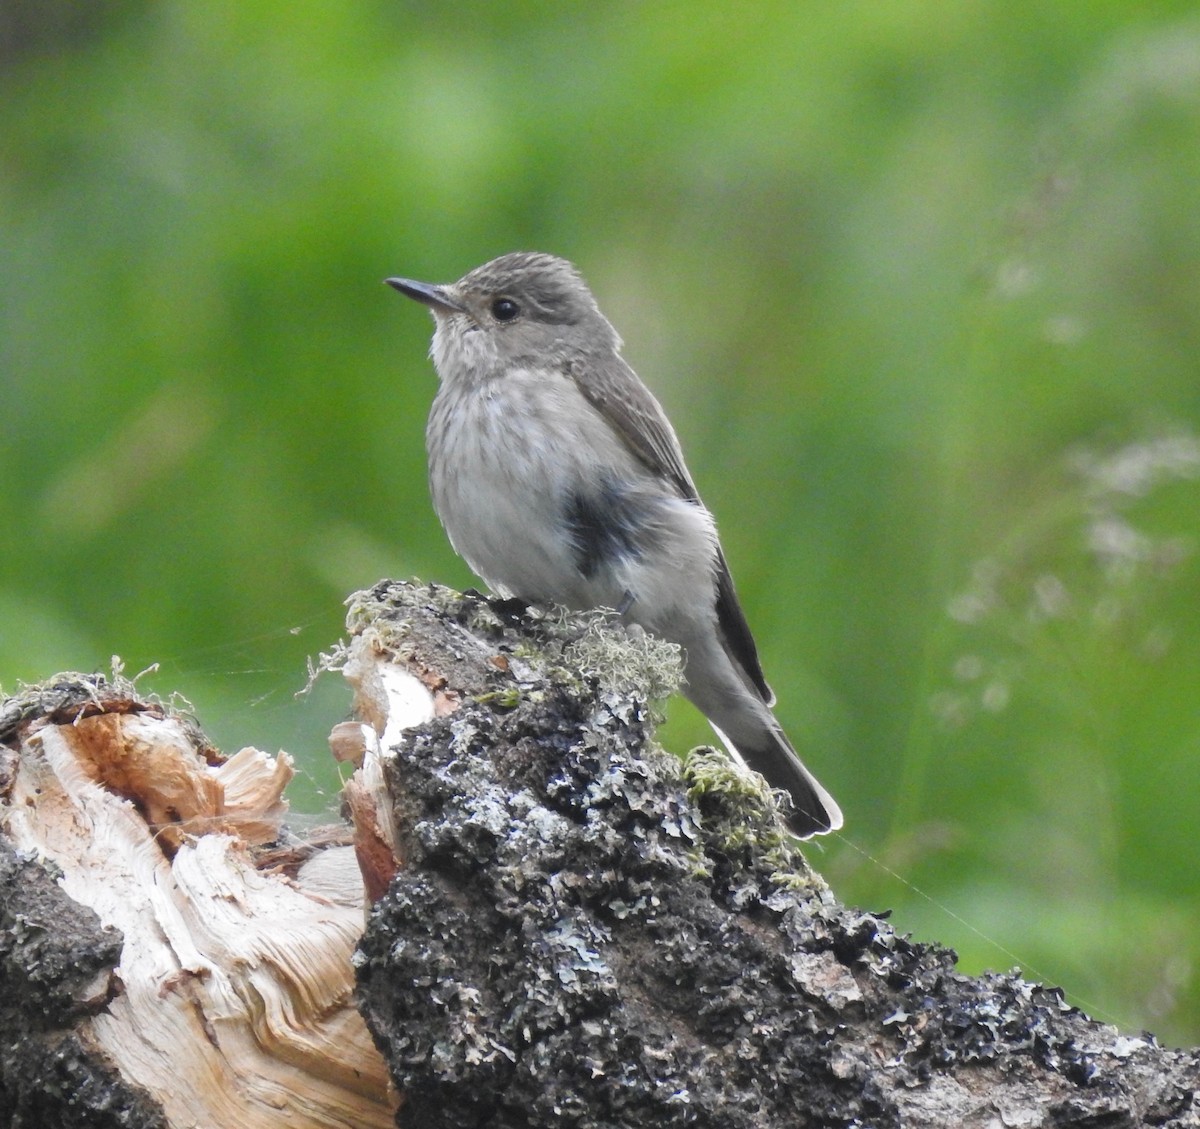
point(538, 493)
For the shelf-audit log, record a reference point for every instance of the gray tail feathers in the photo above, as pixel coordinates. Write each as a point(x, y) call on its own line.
point(814, 811)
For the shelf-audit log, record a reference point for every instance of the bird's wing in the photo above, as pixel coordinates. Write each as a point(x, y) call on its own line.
point(739, 641)
point(616, 392)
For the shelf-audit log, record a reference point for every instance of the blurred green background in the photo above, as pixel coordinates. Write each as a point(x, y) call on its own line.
point(919, 284)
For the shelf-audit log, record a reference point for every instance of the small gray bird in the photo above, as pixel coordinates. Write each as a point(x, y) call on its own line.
point(560, 481)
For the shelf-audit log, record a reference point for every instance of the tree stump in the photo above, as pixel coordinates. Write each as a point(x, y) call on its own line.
point(531, 917)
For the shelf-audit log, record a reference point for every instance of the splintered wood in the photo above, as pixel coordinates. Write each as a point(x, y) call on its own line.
point(233, 1003)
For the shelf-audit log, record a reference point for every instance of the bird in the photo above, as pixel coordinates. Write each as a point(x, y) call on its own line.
point(560, 481)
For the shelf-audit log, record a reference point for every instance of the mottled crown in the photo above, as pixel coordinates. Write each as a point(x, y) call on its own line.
point(550, 288)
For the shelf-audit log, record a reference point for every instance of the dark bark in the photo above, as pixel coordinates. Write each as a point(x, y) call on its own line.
point(587, 934)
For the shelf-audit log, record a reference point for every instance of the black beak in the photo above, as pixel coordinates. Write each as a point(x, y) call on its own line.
point(437, 297)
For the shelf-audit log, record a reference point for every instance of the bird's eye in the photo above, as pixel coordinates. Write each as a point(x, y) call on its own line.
point(505, 309)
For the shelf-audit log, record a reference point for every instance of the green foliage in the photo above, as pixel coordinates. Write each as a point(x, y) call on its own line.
point(917, 283)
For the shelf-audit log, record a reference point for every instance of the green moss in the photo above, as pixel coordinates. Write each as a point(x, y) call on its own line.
point(506, 699)
point(741, 818)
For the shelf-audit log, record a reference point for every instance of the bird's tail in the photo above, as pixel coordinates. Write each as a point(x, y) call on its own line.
point(770, 753)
